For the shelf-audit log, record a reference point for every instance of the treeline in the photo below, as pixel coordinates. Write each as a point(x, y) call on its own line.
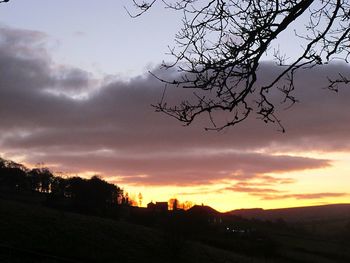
point(84, 195)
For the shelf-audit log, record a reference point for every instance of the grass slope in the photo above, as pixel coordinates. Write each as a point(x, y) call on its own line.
point(32, 233)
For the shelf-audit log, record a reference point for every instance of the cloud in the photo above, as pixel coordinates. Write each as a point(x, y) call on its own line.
point(256, 188)
point(61, 115)
point(302, 196)
point(241, 189)
point(184, 169)
point(15, 42)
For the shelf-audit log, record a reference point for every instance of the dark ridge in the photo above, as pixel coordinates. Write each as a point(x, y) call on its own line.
point(297, 214)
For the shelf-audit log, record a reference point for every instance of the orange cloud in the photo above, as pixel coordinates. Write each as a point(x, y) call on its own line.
point(303, 196)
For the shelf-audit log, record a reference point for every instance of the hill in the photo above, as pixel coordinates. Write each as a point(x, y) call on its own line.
point(33, 233)
point(324, 221)
point(298, 214)
point(202, 210)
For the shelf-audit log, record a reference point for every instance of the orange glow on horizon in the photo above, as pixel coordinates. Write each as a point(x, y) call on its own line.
point(313, 181)
point(333, 179)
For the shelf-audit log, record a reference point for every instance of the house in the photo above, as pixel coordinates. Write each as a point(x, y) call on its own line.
point(158, 207)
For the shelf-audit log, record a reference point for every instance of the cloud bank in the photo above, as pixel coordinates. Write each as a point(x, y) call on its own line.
point(62, 116)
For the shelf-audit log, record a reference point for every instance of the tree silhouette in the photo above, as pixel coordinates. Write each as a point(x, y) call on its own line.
point(92, 196)
point(58, 187)
point(102, 193)
point(187, 205)
point(126, 200)
point(14, 179)
point(41, 179)
point(222, 44)
point(173, 204)
point(88, 195)
point(13, 176)
point(140, 198)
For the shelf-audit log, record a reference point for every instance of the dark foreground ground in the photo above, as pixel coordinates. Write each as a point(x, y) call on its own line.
point(34, 233)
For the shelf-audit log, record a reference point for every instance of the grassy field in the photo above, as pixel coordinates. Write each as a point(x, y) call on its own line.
point(32, 233)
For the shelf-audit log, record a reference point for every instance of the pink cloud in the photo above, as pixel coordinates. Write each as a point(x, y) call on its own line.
point(113, 130)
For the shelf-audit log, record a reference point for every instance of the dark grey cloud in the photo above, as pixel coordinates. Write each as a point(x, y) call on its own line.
point(62, 115)
point(185, 169)
point(73, 81)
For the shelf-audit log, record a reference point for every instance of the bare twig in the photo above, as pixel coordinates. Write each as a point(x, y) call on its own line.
point(221, 45)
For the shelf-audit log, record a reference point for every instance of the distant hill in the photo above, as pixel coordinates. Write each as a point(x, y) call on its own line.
point(297, 214)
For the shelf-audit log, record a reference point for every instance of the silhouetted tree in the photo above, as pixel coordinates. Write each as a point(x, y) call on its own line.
point(58, 187)
point(13, 176)
point(75, 190)
point(140, 197)
point(222, 44)
point(41, 179)
point(2, 163)
point(103, 193)
point(173, 204)
point(14, 179)
point(186, 205)
point(126, 200)
point(10, 164)
point(94, 193)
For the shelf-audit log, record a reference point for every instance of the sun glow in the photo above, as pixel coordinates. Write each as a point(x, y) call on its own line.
point(309, 187)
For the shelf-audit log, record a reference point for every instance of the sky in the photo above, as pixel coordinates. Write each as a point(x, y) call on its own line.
point(76, 95)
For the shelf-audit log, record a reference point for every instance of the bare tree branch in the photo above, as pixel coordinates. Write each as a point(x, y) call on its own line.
point(221, 45)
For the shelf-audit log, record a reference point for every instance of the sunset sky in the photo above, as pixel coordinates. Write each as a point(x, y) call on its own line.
point(76, 95)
